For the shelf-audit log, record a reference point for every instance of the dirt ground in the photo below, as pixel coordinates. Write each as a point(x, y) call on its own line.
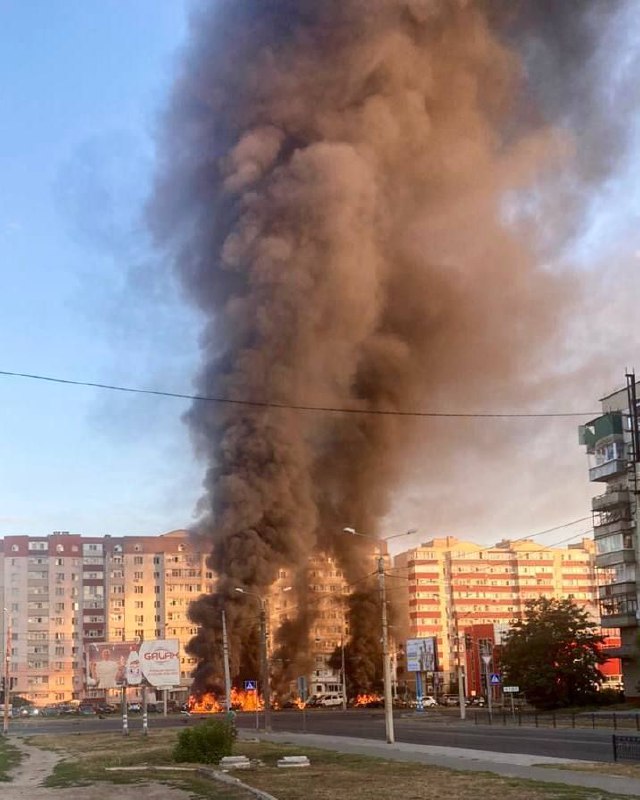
point(38, 764)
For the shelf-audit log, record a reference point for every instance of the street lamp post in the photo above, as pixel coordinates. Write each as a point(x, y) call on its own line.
point(264, 657)
point(266, 688)
point(225, 658)
point(344, 673)
point(386, 666)
point(7, 676)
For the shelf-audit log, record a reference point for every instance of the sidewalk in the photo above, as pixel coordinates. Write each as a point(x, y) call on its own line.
point(511, 765)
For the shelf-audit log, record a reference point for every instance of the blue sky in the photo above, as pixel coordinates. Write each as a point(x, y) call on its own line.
point(82, 295)
point(81, 87)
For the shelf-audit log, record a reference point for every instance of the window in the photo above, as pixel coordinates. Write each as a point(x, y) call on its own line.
point(138, 560)
point(139, 604)
point(137, 589)
point(138, 576)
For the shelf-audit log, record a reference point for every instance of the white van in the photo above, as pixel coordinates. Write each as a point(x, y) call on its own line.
point(329, 700)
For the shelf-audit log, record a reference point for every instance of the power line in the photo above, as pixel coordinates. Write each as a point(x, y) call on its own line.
point(296, 406)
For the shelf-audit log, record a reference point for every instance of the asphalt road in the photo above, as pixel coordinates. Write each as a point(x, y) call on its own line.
point(432, 728)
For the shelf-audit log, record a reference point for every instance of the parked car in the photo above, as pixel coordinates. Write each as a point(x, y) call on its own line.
point(314, 700)
point(106, 708)
point(134, 708)
point(330, 700)
point(477, 701)
point(428, 701)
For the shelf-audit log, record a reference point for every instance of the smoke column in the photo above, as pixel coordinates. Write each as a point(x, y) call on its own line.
point(347, 190)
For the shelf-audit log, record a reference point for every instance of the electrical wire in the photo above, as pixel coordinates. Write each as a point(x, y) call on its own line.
point(295, 406)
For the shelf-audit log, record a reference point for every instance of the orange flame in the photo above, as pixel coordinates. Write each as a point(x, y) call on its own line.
point(363, 699)
point(246, 701)
point(206, 703)
point(299, 703)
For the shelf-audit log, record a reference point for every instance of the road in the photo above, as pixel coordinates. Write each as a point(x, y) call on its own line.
point(432, 728)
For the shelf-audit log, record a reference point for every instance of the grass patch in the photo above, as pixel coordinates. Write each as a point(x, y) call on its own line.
point(332, 776)
point(599, 768)
point(335, 776)
point(10, 757)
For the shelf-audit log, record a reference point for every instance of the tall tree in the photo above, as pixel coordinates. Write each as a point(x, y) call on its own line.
point(553, 653)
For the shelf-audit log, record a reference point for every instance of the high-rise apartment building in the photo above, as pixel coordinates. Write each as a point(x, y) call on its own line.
point(613, 446)
point(64, 590)
point(453, 585)
point(327, 595)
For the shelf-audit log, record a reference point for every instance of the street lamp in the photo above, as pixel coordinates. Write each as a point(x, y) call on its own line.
point(266, 689)
point(388, 699)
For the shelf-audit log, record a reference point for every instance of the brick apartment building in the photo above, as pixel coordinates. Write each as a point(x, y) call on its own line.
point(65, 590)
point(455, 587)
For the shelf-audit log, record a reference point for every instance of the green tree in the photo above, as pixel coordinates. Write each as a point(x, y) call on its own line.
point(553, 653)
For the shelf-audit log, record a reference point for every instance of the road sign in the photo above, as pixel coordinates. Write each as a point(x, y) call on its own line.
point(302, 688)
point(495, 679)
point(511, 689)
point(250, 686)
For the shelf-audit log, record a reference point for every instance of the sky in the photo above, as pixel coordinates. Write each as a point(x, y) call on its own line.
point(83, 296)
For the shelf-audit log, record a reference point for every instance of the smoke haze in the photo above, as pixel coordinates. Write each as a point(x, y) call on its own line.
point(361, 196)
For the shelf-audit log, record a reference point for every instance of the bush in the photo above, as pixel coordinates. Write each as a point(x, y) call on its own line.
point(207, 743)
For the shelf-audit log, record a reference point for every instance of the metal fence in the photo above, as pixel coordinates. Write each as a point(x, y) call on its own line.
point(616, 720)
point(626, 748)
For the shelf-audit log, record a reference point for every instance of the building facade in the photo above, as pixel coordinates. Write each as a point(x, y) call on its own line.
point(454, 586)
point(613, 447)
point(64, 590)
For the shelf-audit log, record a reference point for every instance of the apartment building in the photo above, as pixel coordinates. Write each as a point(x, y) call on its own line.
point(65, 590)
point(454, 585)
point(612, 441)
point(327, 597)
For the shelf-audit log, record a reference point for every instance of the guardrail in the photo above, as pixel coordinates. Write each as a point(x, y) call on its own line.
point(622, 720)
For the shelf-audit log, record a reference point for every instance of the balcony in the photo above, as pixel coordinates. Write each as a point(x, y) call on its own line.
point(610, 500)
point(622, 556)
point(619, 605)
point(625, 651)
point(623, 526)
point(608, 470)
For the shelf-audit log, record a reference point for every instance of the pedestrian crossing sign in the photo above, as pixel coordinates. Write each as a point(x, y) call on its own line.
point(250, 686)
point(495, 679)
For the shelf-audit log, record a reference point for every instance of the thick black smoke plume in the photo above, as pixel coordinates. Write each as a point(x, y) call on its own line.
point(353, 192)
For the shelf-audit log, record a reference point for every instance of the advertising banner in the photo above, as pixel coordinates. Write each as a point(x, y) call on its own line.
point(421, 655)
point(111, 665)
point(160, 662)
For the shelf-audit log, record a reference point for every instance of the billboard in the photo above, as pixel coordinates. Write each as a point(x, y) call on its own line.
point(111, 665)
point(421, 655)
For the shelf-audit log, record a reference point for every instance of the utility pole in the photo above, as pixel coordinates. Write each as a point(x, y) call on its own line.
point(343, 664)
point(266, 689)
point(7, 676)
point(462, 699)
point(225, 655)
point(388, 700)
point(344, 678)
